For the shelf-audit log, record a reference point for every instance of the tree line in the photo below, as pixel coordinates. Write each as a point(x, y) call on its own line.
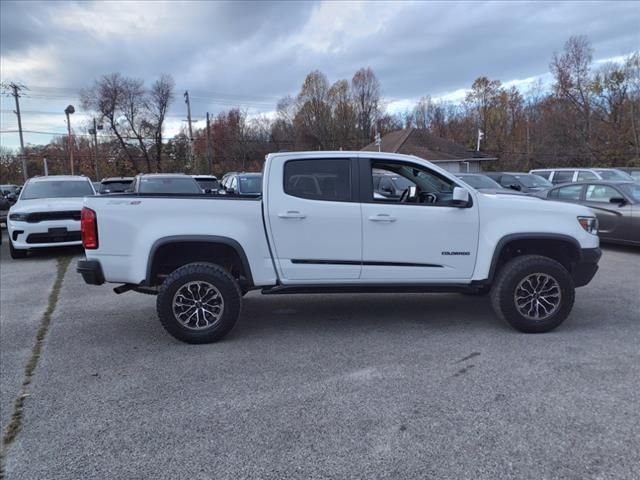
point(590, 115)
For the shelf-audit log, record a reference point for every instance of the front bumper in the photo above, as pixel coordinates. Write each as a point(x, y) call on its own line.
point(586, 267)
point(54, 233)
point(91, 271)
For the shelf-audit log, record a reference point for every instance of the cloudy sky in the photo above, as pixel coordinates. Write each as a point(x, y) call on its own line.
point(249, 54)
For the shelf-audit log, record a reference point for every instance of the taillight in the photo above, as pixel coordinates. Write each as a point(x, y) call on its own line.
point(89, 229)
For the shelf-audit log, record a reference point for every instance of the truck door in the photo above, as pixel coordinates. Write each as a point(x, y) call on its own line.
point(419, 237)
point(314, 219)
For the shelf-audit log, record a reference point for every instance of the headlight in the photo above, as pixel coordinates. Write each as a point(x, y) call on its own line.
point(18, 217)
point(590, 224)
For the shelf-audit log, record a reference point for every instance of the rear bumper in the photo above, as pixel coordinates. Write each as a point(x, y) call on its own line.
point(91, 272)
point(586, 267)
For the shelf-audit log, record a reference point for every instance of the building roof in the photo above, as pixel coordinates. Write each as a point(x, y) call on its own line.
point(421, 143)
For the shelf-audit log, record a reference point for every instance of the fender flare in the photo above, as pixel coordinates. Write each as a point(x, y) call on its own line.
point(528, 236)
point(211, 239)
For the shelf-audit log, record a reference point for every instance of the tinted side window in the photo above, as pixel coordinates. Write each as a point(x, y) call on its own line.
point(543, 173)
point(571, 192)
point(319, 179)
point(508, 180)
point(585, 175)
point(563, 176)
point(601, 193)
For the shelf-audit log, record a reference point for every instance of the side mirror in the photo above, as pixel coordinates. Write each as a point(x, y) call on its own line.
point(619, 200)
point(515, 186)
point(231, 191)
point(461, 197)
point(387, 189)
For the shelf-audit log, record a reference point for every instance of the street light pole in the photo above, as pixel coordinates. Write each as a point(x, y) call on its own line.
point(68, 111)
point(94, 131)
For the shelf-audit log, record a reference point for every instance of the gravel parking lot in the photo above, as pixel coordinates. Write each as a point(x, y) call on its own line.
point(322, 386)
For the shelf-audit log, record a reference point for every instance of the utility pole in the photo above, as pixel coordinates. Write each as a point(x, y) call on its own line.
point(209, 146)
point(16, 94)
point(186, 100)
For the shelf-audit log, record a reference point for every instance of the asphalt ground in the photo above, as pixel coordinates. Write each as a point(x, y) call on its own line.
point(325, 386)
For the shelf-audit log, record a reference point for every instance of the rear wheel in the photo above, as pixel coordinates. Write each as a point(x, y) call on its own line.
point(199, 303)
point(15, 253)
point(534, 294)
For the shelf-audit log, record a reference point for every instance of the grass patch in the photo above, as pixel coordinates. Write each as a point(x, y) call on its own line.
point(15, 423)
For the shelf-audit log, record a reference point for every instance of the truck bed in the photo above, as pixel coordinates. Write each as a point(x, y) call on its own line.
point(129, 225)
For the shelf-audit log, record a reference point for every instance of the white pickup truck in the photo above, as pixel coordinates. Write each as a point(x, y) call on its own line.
point(319, 227)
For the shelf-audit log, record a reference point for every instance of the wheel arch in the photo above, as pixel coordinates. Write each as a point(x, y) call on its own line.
point(202, 248)
point(562, 248)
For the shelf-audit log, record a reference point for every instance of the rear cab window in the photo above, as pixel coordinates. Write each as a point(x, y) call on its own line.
point(328, 180)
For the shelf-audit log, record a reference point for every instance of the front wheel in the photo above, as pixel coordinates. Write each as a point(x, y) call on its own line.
point(15, 253)
point(534, 294)
point(199, 303)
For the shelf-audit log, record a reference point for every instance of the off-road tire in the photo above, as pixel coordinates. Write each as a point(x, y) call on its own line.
point(216, 276)
point(15, 253)
point(516, 270)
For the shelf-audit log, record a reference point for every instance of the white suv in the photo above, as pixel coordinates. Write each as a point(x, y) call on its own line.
point(568, 175)
point(47, 213)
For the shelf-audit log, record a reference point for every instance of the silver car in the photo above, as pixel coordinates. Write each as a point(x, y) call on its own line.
point(616, 204)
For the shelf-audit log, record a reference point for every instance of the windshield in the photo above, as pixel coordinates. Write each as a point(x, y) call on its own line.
point(530, 180)
point(115, 187)
point(250, 184)
point(169, 185)
point(480, 181)
point(57, 189)
point(631, 189)
point(208, 183)
point(613, 175)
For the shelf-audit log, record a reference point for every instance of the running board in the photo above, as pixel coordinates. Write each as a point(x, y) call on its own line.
point(368, 288)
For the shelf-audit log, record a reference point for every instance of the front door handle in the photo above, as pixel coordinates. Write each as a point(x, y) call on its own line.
point(292, 214)
point(382, 217)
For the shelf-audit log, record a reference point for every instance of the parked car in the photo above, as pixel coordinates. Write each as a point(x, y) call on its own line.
point(208, 183)
point(634, 172)
point(245, 183)
point(166, 184)
point(484, 184)
point(10, 192)
point(566, 175)
point(47, 213)
point(438, 237)
point(522, 182)
point(115, 185)
point(616, 204)
point(4, 208)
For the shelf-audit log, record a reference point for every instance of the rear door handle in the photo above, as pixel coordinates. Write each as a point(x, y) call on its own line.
point(292, 214)
point(382, 217)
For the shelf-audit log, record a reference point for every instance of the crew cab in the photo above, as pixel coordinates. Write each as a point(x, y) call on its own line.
point(200, 254)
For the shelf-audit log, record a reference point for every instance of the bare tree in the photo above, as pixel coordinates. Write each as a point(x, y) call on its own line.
point(106, 98)
point(314, 112)
point(573, 84)
point(343, 113)
point(160, 97)
point(365, 89)
point(133, 113)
